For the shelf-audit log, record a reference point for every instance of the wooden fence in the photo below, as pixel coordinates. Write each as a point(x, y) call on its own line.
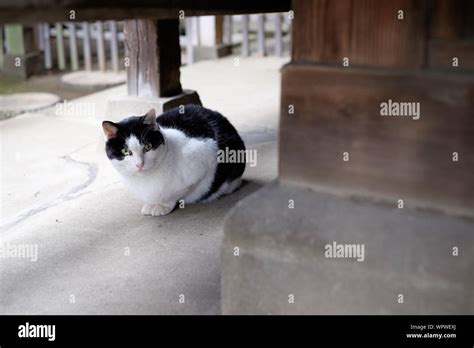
point(100, 45)
point(271, 31)
point(95, 45)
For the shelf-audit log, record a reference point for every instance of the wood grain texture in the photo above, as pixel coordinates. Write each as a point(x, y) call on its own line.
point(154, 54)
point(452, 20)
point(368, 32)
point(140, 50)
point(442, 52)
point(219, 20)
point(446, 20)
point(337, 110)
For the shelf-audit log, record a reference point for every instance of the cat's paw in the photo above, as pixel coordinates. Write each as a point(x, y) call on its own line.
point(156, 210)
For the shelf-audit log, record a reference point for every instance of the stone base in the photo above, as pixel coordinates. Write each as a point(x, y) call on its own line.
point(134, 106)
point(407, 252)
point(30, 64)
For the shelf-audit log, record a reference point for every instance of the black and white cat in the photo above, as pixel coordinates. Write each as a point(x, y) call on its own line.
point(174, 157)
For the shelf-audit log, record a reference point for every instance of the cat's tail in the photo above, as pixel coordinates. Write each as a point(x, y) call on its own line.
point(225, 189)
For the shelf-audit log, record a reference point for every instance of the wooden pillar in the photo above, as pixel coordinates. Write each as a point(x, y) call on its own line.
point(152, 61)
point(154, 54)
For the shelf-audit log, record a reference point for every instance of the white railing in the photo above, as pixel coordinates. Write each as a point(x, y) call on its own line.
point(262, 34)
point(92, 44)
point(100, 45)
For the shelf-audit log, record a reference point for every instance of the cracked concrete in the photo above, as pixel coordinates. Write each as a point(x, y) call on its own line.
point(97, 254)
point(74, 192)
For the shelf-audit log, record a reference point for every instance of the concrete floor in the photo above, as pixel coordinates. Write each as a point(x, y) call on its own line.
point(96, 253)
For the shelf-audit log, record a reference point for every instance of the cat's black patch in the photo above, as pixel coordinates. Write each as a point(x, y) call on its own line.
point(134, 125)
point(199, 122)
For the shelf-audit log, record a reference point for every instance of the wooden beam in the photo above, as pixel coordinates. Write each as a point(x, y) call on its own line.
point(14, 11)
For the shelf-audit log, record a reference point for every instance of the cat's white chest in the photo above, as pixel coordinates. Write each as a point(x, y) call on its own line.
point(149, 188)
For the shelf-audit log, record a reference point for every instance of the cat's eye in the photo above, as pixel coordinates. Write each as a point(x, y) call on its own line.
point(147, 146)
point(126, 152)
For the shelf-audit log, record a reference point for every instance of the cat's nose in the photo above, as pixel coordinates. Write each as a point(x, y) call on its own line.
point(140, 165)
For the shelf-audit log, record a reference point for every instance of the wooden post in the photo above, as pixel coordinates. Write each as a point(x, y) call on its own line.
point(114, 45)
point(228, 27)
point(261, 47)
point(48, 61)
point(219, 30)
point(73, 46)
point(278, 36)
point(60, 46)
point(245, 36)
point(100, 45)
point(155, 57)
point(86, 44)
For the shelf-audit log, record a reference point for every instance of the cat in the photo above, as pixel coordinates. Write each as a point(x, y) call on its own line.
point(163, 160)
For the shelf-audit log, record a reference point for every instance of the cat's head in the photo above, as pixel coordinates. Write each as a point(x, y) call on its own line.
point(133, 144)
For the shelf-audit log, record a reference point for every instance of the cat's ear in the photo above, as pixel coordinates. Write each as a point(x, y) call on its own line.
point(150, 118)
point(110, 129)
